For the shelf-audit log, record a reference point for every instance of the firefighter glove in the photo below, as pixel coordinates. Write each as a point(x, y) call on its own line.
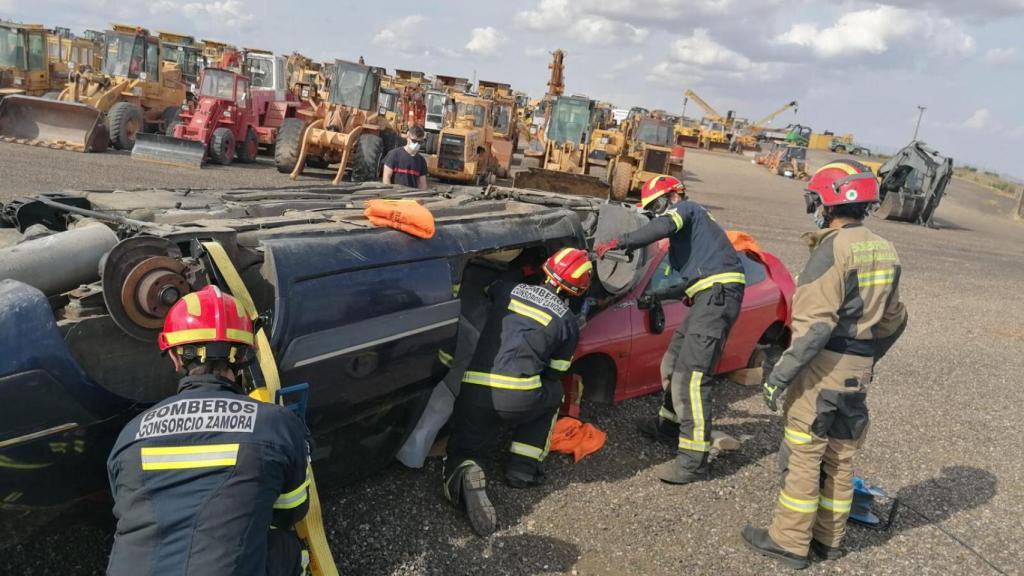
point(772, 393)
point(600, 249)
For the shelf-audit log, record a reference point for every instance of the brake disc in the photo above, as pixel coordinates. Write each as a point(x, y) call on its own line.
point(142, 277)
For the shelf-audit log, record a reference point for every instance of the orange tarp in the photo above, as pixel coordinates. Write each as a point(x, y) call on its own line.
point(577, 438)
point(405, 215)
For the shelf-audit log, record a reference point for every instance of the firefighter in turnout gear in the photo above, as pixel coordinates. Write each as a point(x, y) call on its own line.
point(209, 481)
point(525, 348)
point(846, 315)
point(713, 285)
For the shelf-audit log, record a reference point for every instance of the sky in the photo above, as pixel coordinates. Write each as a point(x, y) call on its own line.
point(854, 66)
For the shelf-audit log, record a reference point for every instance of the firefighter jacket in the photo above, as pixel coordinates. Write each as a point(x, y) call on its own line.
point(847, 300)
point(525, 348)
point(699, 249)
point(199, 479)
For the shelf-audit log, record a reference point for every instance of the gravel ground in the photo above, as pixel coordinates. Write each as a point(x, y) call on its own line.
point(945, 434)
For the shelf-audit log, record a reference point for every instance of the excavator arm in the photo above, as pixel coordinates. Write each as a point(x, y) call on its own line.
point(711, 112)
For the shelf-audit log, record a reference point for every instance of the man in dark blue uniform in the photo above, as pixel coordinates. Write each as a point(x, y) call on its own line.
point(209, 481)
point(712, 286)
point(525, 348)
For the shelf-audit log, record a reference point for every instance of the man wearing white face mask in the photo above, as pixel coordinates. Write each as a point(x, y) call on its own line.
point(404, 165)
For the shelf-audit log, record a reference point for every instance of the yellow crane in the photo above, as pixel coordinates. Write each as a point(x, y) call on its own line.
point(746, 138)
point(713, 127)
point(761, 123)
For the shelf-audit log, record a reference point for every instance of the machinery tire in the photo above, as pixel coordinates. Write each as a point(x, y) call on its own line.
point(392, 140)
point(367, 158)
point(52, 95)
point(249, 148)
point(317, 162)
point(170, 116)
point(124, 121)
point(222, 146)
point(839, 149)
point(288, 143)
point(622, 178)
point(101, 139)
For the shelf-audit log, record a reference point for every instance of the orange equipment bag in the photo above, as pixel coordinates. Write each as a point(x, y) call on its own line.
point(405, 215)
point(744, 242)
point(577, 438)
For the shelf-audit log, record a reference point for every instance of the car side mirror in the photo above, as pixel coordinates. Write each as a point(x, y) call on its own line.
point(656, 318)
point(645, 302)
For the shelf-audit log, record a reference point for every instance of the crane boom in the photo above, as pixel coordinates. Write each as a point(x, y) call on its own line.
point(556, 84)
point(760, 123)
point(711, 112)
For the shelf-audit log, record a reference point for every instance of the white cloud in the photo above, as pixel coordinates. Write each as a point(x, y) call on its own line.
point(1000, 56)
point(535, 52)
point(485, 41)
point(693, 58)
point(980, 120)
point(579, 22)
point(405, 35)
point(699, 49)
point(231, 13)
point(876, 30)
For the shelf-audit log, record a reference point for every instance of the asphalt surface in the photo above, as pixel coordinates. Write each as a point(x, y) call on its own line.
point(945, 434)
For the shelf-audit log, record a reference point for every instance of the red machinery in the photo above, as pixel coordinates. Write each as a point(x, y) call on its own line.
point(222, 126)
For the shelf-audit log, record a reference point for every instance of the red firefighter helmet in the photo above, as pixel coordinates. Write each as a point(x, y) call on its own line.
point(659, 186)
point(570, 269)
point(844, 182)
point(208, 317)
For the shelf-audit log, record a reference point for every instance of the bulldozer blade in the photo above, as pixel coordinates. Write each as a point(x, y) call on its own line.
point(561, 183)
point(52, 124)
point(168, 150)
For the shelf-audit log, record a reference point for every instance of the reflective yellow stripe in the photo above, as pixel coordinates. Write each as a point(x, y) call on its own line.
point(174, 338)
point(296, 497)
point(685, 444)
point(240, 335)
point(677, 219)
point(445, 358)
point(551, 432)
point(240, 308)
point(562, 254)
point(668, 415)
point(798, 505)
point(697, 412)
point(583, 268)
point(876, 277)
point(530, 312)
point(562, 365)
point(797, 437)
point(839, 506)
point(527, 451)
point(181, 457)
point(192, 304)
point(723, 278)
point(499, 381)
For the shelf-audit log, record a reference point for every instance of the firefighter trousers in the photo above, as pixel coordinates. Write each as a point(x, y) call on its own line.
point(686, 369)
point(477, 421)
point(826, 421)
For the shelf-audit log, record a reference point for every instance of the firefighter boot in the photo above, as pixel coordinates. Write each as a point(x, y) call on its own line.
point(825, 552)
point(681, 470)
point(658, 429)
point(466, 487)
point(758, 540)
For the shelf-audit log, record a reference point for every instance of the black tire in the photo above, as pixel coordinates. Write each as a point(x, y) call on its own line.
point(840, 149)
point(367, 158)
point(249, 148)
point(288, 143)
point(170, 117)
point(622, 178)
point(392, 140)
point(100, 139)
point(222, 146)
point(124, 121)
point(52, 95)
point(317, 162)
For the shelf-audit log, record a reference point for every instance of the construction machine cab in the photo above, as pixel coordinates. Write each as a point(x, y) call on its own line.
point(23, 61)
point(570, 120)
point(654, 131)
point(224, 85)
point(354, 86)
point(134, 56)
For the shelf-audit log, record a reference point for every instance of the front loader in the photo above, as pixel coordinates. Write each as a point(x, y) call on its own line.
point(347, 128)
point(221, 127)
point(25, 68)
point(464, 152)
point(561, 165)
point(646, 154)
point(134, 92)
point(505, 116)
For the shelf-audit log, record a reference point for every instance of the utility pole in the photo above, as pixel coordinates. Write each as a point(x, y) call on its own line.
point(920, 112)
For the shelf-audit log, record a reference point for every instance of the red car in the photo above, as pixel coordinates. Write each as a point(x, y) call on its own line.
point(619, 353)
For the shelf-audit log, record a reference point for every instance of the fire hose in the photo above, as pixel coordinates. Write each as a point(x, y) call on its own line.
point(310, 528)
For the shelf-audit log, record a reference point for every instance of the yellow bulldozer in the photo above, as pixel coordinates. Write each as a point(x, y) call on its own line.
point(559, 160)
point(645, 153)
point(347, 128)
point(134, 92)
point(464, 151)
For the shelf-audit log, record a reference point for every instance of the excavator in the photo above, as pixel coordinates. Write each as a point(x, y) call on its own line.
point(748, 137)
point(559, 147)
